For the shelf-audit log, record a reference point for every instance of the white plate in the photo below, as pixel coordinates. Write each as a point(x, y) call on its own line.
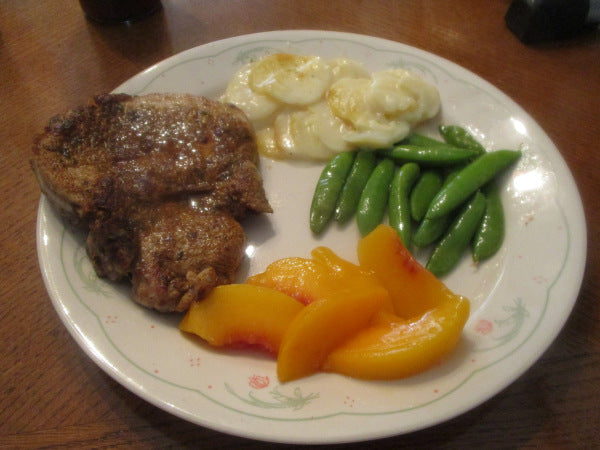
point(520, 298)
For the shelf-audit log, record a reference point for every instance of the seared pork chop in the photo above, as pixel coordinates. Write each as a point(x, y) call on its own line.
point(173, 252)
point(159, 181)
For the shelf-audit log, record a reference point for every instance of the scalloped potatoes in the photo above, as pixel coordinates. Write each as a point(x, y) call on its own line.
point(303, 107)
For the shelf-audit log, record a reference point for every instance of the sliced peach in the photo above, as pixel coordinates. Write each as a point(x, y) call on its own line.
point(242, 315)
point(413, 289)
point(308, 280)
point(340, 266)
point(345, 274)
point(323, 325)
point(304, 279)
point(395, 348)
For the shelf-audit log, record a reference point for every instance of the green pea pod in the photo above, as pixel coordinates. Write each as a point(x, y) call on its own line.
point(422, 140)
point(452, 246)
point(458, 136)
point(374, 197)
point(426, 187)
point(429, 230)
point(355, 183)
point(432, 155)
point(490, 234)
point(469, 179)
point(399, 202)
point(328, 189)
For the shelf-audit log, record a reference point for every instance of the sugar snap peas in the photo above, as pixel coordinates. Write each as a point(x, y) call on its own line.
point(374, 198)
point(469, 179)
point(328, 189)
point(429, 230)
point(460, 137)
point(406, 181)
point(426, 187)
point(453, 244)
point(363, 166)
point(490, 233)
point(432, 155)
point(399, 203)
point(420, 139)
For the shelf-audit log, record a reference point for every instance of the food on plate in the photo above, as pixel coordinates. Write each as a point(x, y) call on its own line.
point(172, 252)
point(428, 184)
point(347, 202)
point(424, 326)
point(413, 289)
point(308, 279)
point(328, 190)
point(460, 137)
point(304, 279)
point(305, 107)
point(490, 233)
point(334, 291)
point(466, 182)
point(323, 325)
point(160, 183)
point(451, 247)
point(291, 79)
point(392, 347)
point(384, 108)
point(238, 315)
point(430, 230)
point(371, 182)
point(374, 198)
point(422, 183)
point(428, 155)
point(399, 201)
point(386, 318)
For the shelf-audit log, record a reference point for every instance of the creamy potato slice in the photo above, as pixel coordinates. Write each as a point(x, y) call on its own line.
point(384, 108)
point(401, 95)
point(291, 79)
point(329, 128)
point(347, 99)
point(303, 107)
point(347, 68)
point(267, 145)
point(296, 136)
point(259, 108)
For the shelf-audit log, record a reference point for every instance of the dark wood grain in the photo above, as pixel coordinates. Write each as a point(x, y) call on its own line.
point(52, 59)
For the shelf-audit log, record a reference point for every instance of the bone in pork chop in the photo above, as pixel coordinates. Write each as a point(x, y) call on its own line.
point(160, 181)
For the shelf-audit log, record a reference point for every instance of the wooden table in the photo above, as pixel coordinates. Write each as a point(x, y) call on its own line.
point(52, 59)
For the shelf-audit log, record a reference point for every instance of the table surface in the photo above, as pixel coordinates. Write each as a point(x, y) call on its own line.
point(53, 59)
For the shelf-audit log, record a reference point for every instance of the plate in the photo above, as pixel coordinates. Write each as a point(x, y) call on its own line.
point(520, 298)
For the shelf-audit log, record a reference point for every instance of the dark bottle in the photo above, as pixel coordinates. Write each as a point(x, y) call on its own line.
point(534, 21)
point(118, 11)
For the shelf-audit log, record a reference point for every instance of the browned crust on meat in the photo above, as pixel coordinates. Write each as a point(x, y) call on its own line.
point(151, 148)
point(141, 174)
point(172, 245)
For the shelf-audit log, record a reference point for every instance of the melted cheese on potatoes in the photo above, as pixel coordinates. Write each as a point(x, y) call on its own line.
point(258, 107)
point(291, 79)
point(305, 108)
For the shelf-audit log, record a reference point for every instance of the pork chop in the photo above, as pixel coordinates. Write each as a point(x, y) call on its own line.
point(160, 181)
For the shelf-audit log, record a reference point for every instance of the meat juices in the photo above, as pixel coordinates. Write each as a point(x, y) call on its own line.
point(160, 182)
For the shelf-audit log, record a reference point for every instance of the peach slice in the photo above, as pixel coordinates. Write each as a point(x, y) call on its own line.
point(308, 280)
point(304, 279)
point(396, 348)
point(242, 315)
point(413, 289)
point(323, 325)
point(344, 273)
